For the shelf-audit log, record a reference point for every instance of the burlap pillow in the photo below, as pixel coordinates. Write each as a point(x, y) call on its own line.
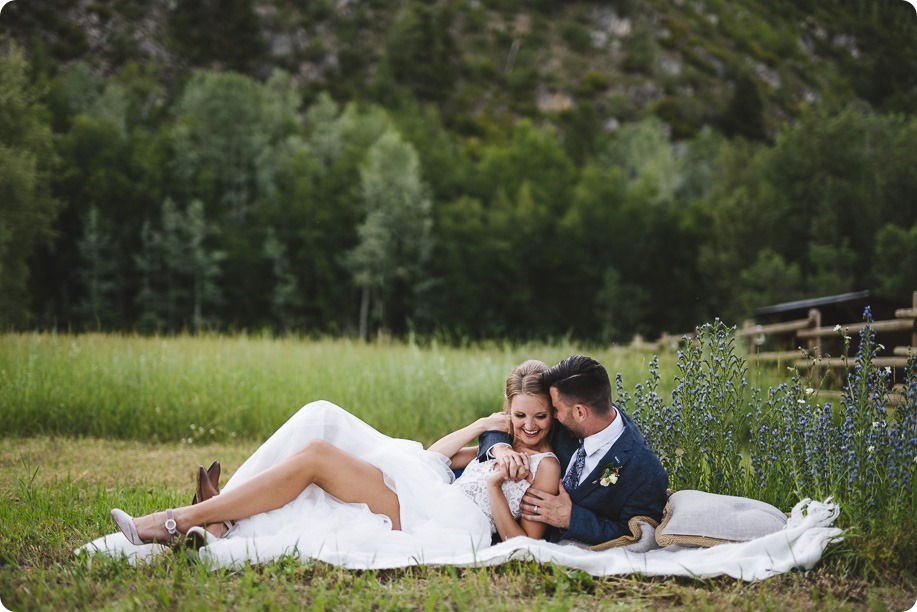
point(697, 518)
point(641, 538)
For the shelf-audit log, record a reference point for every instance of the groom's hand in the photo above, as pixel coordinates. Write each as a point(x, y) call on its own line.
point(546, 508)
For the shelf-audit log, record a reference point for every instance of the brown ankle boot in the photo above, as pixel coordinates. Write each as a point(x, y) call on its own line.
point(213, 473)
point(207, 483)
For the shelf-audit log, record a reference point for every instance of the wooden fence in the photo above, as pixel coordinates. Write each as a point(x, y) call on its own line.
point(806, 343)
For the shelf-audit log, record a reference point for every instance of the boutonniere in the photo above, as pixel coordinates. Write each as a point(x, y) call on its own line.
point(610, 474)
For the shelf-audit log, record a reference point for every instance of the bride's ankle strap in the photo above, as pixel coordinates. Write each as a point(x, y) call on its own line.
point(170, 524)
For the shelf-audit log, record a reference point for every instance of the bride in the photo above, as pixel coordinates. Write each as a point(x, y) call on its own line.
point(328, 486)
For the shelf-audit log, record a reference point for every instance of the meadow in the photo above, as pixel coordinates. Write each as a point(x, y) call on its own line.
point(95, 421)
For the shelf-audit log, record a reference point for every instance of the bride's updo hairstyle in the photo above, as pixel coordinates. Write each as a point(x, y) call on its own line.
point(525, 379)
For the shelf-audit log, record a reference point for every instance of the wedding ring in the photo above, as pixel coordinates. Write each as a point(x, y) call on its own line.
point(536, 510)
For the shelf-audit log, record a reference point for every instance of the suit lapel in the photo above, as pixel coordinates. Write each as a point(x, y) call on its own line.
point(619, 454)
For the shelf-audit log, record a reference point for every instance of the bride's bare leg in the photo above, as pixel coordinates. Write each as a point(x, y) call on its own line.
point(339, 473)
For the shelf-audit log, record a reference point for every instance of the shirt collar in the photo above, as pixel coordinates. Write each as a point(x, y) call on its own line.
point(606, 437)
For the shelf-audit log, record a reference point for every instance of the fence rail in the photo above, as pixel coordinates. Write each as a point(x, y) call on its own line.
point(803, 342)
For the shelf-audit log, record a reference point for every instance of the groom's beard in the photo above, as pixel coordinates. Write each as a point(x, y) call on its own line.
point(572, 426)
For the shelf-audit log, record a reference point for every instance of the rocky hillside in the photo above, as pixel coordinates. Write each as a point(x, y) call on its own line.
point(742, 66)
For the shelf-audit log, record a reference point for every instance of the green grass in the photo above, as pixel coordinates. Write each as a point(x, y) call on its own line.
point(96, 421)
point(55, 494)
point(156, 389)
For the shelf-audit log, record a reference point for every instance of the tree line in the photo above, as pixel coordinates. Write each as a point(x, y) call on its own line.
point(230, 204)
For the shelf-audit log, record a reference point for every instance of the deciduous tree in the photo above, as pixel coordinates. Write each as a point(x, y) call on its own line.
point(394, 238)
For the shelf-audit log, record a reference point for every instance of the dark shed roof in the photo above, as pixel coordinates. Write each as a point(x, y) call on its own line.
point(842, 308)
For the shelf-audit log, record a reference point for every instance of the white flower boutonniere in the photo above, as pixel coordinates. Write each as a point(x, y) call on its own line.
point(610, 474)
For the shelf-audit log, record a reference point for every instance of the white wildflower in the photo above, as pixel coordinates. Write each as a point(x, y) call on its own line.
point(880, 346)
point(837, 328)
point(888, 370)
point(212, 431)
point(193, 426)
point(800, 401)
point(810, 391)
point(871, 448)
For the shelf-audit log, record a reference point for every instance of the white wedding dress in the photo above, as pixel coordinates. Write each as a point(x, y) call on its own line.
point(473, 482)
point(438, 520)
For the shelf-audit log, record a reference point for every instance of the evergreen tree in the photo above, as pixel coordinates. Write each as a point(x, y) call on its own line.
point(620, 307)
point(203, 263)
point(745, 114)
point(458, 293)
point(98, 274)
point(217, 33)
point(157, 297)
point(27, 208)
point(96, 173)
point(769, 280)
point(178, 270)
point(422, 52)
point(286, 300)
point(895, 268)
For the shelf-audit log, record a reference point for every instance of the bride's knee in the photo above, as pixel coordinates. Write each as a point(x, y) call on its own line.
point(322, 405)
point(320, 410)
point(316, 460)
point(314, 449)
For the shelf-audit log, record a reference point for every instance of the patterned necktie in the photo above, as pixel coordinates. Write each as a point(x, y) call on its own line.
point(571, 480)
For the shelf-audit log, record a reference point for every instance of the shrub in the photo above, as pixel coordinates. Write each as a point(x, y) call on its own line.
point(780, 445)
point(695, 434)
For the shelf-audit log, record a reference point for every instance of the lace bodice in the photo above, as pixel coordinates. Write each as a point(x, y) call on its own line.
point(473, 483)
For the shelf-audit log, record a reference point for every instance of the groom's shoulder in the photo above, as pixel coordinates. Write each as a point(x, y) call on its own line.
point(638, 442)
point(630, 427)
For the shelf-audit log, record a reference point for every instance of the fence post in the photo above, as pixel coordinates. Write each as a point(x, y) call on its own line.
point(914, 312)
point(814, 344)
point(752, 341)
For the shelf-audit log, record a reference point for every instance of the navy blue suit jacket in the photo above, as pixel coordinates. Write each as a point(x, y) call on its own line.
point(600, 513)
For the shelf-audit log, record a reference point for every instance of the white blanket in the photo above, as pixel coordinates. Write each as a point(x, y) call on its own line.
point(799, 545)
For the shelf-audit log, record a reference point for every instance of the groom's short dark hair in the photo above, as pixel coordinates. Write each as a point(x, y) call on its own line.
point(580, 380)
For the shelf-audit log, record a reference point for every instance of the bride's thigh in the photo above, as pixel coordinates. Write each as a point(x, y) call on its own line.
point(350, 479)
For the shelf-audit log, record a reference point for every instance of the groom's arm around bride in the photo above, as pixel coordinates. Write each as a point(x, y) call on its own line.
point(610, 474)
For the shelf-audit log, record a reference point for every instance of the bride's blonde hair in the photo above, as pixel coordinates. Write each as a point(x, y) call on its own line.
point(525, 379)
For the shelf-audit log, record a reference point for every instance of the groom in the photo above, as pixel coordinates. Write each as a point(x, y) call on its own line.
point(610, 473)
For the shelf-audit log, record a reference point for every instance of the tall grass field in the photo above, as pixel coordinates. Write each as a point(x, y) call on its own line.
point(90, 422)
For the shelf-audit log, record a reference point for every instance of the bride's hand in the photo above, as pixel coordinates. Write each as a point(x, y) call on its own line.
point(497, 477)
point(512, 465)
point(498, 421)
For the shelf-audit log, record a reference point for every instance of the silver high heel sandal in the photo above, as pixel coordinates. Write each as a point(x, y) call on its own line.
point(125, 523)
